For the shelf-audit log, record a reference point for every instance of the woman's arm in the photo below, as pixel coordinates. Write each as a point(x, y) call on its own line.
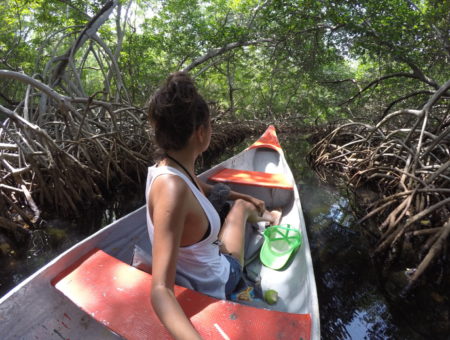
point(205, 186)
point(169, 197)
point(260, 205)
point(234, 195)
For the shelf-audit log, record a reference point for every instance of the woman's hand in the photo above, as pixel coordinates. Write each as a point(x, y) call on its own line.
point(260, 205)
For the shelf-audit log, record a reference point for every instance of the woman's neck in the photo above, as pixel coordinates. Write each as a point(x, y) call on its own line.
point(186, 159)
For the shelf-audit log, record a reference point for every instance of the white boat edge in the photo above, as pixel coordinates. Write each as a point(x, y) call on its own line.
point(67, 321)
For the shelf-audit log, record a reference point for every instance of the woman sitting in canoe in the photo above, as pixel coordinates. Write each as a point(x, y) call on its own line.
point(185, 229)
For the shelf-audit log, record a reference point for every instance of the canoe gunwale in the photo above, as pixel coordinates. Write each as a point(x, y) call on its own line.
point(37, 286)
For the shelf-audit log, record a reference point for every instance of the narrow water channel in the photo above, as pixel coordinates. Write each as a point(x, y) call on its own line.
point(352, 304)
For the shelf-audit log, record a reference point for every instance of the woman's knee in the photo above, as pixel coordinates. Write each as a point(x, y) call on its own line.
point(244, 205)
point(243, 211)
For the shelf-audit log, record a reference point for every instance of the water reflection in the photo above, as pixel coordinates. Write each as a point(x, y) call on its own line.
point(350, 301)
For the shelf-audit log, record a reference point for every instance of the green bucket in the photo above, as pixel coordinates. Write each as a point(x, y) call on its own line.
point(280, 242)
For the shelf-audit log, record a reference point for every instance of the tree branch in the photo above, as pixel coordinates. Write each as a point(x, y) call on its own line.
point(90, 30)
point(377, 81)
point(63, 101)
point(398, 100)
point(219, 51)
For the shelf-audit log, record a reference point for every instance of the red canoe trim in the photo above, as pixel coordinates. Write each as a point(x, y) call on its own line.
point(118, 296)
point(256, 178)
point(268, 140)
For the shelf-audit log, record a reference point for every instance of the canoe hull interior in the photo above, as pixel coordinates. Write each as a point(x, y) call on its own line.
point(36, 310)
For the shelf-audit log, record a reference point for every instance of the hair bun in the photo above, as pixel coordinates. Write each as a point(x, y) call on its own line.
point(175, 110)
point(180, 86)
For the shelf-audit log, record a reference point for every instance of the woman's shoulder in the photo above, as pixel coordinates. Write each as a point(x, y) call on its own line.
point(169, 185)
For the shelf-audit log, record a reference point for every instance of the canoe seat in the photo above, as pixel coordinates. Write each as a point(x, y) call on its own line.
point(254, 178)
point(118, 296)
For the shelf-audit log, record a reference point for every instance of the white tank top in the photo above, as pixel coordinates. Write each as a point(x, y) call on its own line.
point(201, 263)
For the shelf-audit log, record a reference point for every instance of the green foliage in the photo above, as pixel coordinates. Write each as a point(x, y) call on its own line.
point(309, 48)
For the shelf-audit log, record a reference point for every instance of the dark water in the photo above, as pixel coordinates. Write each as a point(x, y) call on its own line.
point(352, 303)
point(59, 235)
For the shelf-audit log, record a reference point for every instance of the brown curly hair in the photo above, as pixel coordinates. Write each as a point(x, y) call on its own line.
point(176, 110)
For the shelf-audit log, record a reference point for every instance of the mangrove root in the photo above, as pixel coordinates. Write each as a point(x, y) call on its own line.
point(405, 158)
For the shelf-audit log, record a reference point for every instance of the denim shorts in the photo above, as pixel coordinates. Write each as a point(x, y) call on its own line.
point(235, 275)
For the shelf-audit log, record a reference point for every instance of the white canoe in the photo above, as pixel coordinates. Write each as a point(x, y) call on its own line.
point(36, 309)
